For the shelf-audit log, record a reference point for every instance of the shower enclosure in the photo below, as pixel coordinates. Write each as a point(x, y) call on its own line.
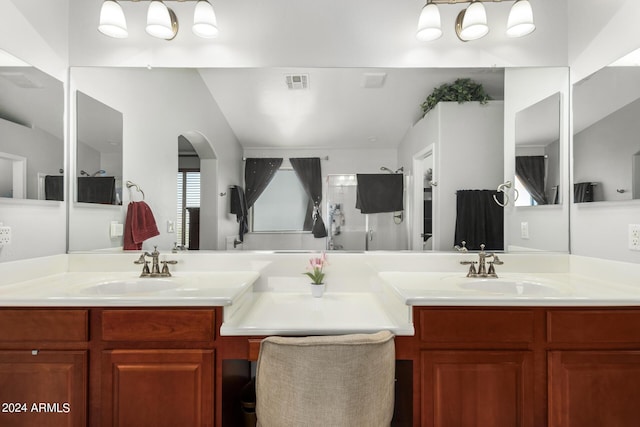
point(350, 230)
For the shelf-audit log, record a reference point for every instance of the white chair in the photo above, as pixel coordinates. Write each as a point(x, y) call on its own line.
point(326, 381)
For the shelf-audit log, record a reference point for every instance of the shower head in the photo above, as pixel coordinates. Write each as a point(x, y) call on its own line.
point(384, 168)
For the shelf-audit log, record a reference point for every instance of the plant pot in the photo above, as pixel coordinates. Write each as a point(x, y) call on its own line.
point(317, 290)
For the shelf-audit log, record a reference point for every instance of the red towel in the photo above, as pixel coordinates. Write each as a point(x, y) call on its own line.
point(139, 226)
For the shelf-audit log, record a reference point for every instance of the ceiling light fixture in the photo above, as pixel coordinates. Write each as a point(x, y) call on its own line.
point(520, 22)
point(471, 22)
point(429, 24)
point(112, 20)
point(162, 22)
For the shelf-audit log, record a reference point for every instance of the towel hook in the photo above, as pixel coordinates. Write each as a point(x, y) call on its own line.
point(502, 188)
point(131, 184)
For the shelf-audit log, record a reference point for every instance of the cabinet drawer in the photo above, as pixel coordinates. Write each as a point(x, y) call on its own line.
point(476, 326)
point(158, 325)
point(593, 326)
point(43, 325)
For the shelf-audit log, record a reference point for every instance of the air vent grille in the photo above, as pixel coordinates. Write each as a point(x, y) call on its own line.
point(297, 81)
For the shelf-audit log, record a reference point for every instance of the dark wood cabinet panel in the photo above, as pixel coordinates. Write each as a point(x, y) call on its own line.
point(158, 325)
point(593, 326)
point(477, 388)
point(157, 388)
point(448, 325)
point(22, 325)
point(43, 388)
point(594, 388)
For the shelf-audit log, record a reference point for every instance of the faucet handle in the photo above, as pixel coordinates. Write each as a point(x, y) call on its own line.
point(472, 268)
point(165, 267)
point(140, 260)
point(496, 260)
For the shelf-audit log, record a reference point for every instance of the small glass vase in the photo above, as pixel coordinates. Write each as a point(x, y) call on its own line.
point(317, 290)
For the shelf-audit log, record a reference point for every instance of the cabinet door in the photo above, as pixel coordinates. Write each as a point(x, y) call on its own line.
point(594, 388)
point(157, 388)
point(477, 388)
point(43, 388)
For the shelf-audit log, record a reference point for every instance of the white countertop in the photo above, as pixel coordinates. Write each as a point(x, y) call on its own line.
point(288, 313)
point(86, 289)
point(510, 289)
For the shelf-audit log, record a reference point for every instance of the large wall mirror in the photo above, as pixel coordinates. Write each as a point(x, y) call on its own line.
point(31, 132)
point(538, 153)
point(606, 147)
point(98, 152)
point(160, 105)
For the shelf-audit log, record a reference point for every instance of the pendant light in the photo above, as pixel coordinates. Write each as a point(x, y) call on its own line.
point(471, 23)
point(112, 20)
point(520, 21)
point(429, 24)
point(204, 20)
point(161, 21)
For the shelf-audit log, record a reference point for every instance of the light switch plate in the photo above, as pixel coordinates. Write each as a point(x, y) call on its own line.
point(524, 230)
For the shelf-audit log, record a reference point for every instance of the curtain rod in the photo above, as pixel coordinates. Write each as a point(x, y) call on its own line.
point(321, 158)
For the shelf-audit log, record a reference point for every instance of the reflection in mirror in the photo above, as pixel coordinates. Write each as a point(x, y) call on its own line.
point(99, 152)
point(538, 153)
point(31, 132)
point(606, 148)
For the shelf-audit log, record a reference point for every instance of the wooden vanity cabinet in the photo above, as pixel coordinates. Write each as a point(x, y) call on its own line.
point(594, 367)
point(43, 367)
point(156, 367)
point(477, 367)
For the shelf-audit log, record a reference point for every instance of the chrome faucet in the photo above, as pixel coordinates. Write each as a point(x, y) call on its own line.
point(482, 262)
point(155, 264)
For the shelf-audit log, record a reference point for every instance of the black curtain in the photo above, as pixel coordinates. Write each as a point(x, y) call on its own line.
point(479, 219)
point(531, 171)
point(258, 173)
point(309, 173)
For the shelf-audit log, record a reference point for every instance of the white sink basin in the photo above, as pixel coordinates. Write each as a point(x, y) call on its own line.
point(133, 286)
point(509, 287)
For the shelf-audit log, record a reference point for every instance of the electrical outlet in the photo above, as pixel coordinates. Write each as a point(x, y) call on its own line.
point(634, 237)
point(5, 235)
point(524, 230)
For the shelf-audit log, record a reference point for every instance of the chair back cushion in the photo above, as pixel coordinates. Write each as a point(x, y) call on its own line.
point(323, 381)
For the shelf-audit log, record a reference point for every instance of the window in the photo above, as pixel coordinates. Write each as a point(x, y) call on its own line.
point(524, 197)
point(282, 206)
point(188, 197)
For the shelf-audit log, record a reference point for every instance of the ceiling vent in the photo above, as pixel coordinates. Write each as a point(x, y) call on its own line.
point(373, 80)
point(297, 81)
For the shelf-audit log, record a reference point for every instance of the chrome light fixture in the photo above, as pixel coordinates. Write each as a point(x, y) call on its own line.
point(471, 23)
point(429, 24)
point(112, 20)
point(162, 22)
point(520, 22)
point(204, 20)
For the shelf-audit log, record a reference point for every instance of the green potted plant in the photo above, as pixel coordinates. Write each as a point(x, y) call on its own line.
point(461, 90)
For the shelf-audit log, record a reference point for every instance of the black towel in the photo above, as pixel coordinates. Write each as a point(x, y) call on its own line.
point(479, 219)
point(97, 189)
point(379, 193)
point(582, 192)
point(53, 187)
point(238, 206)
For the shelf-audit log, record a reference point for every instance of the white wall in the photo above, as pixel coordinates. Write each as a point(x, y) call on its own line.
point(599, 33)
point(158, 105)
point(38, 228)
point(468, 140)
point(548, 224)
